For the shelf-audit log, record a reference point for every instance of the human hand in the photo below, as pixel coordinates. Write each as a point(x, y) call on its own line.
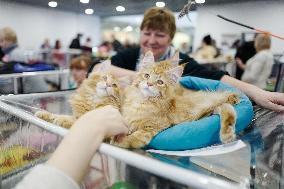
point(107, 119)
point(240, 63)
point(269, 100)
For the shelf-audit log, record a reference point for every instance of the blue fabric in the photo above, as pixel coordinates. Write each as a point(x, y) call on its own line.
point(40, 66)
point(204, 132)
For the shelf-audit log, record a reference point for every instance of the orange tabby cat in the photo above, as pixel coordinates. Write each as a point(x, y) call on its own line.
point(99, 89)
point(155, 102)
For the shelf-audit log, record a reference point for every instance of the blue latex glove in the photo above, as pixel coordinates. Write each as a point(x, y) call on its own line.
point(204, 132)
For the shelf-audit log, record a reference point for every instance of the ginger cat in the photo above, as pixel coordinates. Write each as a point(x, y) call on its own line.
point(155, 101)
point(99, 89)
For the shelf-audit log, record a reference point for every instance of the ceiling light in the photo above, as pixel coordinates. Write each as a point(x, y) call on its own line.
point(89, 11)
point(116, 29)
point(52, 4)
point(84, 1)
point(160, 4)
point(120, 9)
point(128, 29)
point(200, 1)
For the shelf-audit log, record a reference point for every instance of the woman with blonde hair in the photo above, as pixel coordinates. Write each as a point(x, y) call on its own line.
point(258, 68)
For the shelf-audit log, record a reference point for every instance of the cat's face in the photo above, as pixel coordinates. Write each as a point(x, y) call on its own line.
point(157, 80)
point(102, 83)
point(107, 86)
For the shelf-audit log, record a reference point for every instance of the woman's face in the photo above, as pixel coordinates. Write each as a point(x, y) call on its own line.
point(155, 41)
point(78, 75)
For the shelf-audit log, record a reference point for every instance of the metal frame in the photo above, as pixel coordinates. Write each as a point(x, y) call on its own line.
point(174, 173)
point(16, 76)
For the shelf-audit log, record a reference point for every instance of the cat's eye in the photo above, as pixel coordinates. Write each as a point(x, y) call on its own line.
point(160, 82)
point(114, 85)
point(146, 76)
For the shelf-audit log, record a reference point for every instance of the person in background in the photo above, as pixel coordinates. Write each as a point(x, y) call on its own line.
point(258, 68)
point(207, 50)
point(244, 53)
point(117, 46)
point(184, 48)
point(1, 53)
point(76, 42)
point(45, 45)
point(79, 68)
point(65, 170)
point(157, 31)
point(88, 43)
point(45, 50)
point(87, 47)
point(58, 57)
point(10, 47)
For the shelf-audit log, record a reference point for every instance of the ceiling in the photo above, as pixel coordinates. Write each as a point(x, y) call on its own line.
point(107, 7)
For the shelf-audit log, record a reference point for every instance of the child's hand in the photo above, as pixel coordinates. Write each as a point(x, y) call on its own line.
point(107, 119)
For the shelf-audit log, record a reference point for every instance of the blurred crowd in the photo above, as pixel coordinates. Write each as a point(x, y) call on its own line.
point(81, 55)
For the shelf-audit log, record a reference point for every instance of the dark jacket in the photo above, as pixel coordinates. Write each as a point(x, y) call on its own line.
point(128, 58)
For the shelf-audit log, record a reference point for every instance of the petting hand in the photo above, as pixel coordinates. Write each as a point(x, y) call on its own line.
point(269, 100)
point(107, 118)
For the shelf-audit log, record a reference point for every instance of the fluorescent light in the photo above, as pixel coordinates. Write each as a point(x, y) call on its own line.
point(200, 1)
point(52, 4)
point(128, 29)
point(84, 1)
point(160, 4)
point(89, 11)
point(120, 9)
point(116, 29)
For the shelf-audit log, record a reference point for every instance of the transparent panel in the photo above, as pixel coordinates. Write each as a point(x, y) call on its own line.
point(257, 165)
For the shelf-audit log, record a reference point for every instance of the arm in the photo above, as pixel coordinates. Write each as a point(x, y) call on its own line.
point(71, 159)
point(240, 63)
point(266, 99)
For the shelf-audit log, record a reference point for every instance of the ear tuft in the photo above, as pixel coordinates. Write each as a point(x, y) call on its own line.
point(147, 61)
point(175, 73)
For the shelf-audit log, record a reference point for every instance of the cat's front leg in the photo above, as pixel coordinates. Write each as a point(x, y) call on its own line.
point(45, 115)
point(138, 139)
point(64, 121)
point(227, 121)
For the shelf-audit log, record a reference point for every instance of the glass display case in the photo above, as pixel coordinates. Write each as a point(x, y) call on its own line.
point(27, 141)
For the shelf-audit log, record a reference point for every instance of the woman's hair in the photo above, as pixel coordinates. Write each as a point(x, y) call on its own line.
point(8, 34)
point(262, 42)
point(81, 63)
point(57, 44)
point(207, 40)
point(159, 19)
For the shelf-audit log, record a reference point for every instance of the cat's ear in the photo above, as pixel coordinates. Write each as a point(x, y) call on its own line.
point(147, 61)
point(104, 67)
point(175, 73)
point(175, 58)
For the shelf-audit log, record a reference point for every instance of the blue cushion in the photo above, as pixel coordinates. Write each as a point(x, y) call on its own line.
point(204, 132)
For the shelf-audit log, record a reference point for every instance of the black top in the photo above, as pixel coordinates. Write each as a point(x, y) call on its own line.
point(244, 52)
point(128, 58)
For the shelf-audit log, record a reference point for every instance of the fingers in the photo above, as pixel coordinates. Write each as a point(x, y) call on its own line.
point(275, 107)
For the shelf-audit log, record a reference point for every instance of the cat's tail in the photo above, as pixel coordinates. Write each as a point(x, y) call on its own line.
point(228, 119)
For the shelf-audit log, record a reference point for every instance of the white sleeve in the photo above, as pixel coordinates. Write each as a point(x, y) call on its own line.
point(46, 177)
point(254, 68)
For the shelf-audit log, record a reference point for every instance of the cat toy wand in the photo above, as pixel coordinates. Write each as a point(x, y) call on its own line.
point(186, 9)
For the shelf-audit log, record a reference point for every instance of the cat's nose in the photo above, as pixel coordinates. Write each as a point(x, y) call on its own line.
point(149, 84)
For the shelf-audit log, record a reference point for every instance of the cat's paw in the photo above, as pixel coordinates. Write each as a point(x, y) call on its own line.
point(63, 122)
point(45, 115)
point(233, 98)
